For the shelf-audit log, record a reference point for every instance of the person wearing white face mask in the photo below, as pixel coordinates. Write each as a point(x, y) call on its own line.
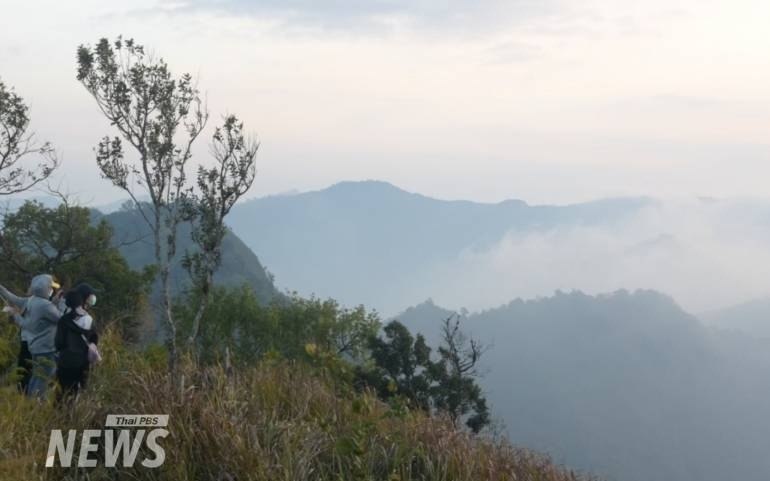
point(38, 320)
point(76, 341)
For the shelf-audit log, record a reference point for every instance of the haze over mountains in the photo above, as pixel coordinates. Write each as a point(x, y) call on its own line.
point(624, 385)
point(373, 243)
point(628, 385)
point(240, 266)
point(750, 317)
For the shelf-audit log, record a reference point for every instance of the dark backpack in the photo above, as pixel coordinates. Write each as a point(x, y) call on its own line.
point(71, 342)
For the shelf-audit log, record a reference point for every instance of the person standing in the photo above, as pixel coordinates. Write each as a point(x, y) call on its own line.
point(38, 321)
point(76, 341)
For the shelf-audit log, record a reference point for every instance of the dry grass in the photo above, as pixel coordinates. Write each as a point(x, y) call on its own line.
point(275, 421)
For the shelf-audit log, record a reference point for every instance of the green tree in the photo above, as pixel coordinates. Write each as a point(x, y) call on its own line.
point(219, 188)
point(160, 116)
point(66, 242)
point(17, 144)
point(236, 322)
point(402, 367)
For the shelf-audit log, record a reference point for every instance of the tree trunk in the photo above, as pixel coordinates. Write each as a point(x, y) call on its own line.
point(163, 264)
point(170, 322)
point(202, 305)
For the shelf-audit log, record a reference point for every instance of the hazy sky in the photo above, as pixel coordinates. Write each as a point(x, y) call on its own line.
point(544, 100)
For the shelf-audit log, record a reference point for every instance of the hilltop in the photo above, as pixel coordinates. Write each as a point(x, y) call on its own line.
point(240, 266)
point(627, 383)
point(750, 317)
point(373, 243)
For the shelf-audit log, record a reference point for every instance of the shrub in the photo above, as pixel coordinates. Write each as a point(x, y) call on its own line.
point(236, 322)
point(273, 420)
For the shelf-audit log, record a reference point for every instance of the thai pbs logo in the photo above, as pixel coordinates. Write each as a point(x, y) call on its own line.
point(122, 439)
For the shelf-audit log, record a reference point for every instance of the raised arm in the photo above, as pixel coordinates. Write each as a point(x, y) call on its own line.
point(60, 303)
point(12, 298)
point(52, 313)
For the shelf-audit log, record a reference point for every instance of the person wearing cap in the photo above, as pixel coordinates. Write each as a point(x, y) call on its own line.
point(38, 320)
point(75, 340)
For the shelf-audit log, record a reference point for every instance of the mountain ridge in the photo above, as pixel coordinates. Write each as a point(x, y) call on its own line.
point(239, 266)
point(572, 374)
point(385, 186)
point(373, 243)
point(751, 317)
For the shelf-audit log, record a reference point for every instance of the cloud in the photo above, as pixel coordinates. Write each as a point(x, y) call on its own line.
point(513, 52)
point(11, 51)
point(354, 14)
point(667, 102)
point(706, 254)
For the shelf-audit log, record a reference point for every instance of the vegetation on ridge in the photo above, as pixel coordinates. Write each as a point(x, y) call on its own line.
point(278, 419)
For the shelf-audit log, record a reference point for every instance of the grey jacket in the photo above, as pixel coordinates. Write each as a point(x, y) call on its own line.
point(39, 315)
point(25, 335)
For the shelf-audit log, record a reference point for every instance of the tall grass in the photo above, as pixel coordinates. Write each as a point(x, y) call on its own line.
point(277, 420)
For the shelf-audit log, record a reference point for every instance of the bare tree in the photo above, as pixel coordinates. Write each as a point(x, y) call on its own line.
point(160, 116)
point(462, 352)
point(17, 144)
point(457, 393)
point(220, 187)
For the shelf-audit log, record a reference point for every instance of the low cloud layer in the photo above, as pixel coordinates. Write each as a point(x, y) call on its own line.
point(705, 254)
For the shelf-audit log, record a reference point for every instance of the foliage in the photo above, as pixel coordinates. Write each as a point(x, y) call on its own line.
point(9, 346)
point(17, 143)
point(65, 242)
point(456, 392)
point(401, 365)
point(403, 368)
point(219, 188)
point(236, 322)
point(273, 420)
point(160, 117)
point(239, 264)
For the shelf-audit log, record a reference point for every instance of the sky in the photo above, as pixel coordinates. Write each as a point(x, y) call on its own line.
point(550, 101)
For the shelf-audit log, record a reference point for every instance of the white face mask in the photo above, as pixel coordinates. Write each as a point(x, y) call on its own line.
point(91, 301)
point(50, 293)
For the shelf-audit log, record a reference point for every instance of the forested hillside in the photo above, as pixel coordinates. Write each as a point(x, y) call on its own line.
point(240, 266)
point(626, 383)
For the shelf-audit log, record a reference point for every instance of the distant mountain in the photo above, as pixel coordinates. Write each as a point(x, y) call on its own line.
point(627, 385)
point(12, 203)
point(373, 243)
point(752, 318)
point(239, 264)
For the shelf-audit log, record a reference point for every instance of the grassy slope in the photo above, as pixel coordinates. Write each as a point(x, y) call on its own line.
point(277, 420)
